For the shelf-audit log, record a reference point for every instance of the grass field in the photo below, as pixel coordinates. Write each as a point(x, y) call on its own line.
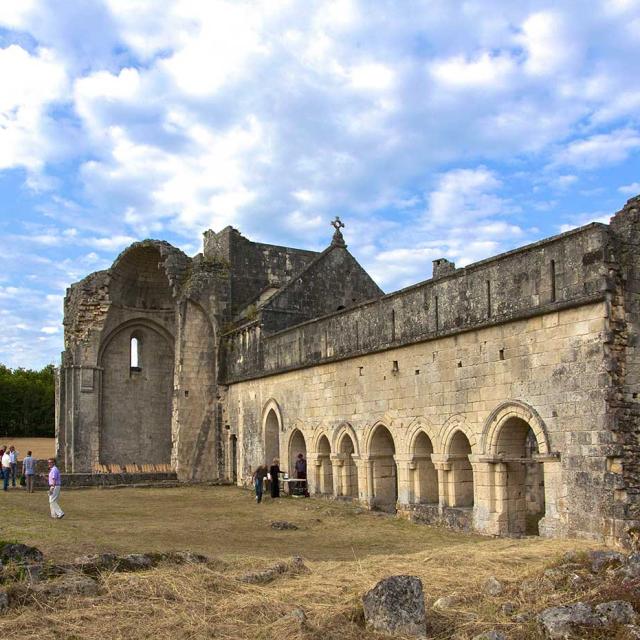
point(41, 448)
point(347, 551)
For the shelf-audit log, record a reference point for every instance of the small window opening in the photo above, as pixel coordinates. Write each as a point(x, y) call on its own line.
point(435, 307)
point(488, 299)
point(459, 363)
point(417, 372)
point(340, 307)
point(395, 368)
point(635, 395)
point(360, 369)
point(186, 393)
point(135, 354)
point(501, 354)
point(552, 273)
point(393, 325)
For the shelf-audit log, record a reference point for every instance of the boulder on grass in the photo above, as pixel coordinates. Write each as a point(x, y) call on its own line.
point(560, 623)
point(20, 554)
point(616, 612)
point(493, 586)
point(396, 605)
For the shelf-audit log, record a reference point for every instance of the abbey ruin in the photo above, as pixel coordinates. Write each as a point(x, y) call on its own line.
point(501, 397)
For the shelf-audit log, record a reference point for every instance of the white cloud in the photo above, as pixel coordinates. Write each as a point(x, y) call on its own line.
point(50, 330)
point(30, 84)
point(547, 45)
point(464, 195)
point(600, 150)
point(485, 71)
point(632, 189)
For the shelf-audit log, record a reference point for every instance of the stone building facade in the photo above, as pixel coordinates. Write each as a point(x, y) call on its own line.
point(501, 397)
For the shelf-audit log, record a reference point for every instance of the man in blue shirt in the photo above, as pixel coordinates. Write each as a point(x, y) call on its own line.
point(29, 471)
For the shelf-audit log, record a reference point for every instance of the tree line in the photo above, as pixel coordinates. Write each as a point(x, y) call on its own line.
point(27, 402)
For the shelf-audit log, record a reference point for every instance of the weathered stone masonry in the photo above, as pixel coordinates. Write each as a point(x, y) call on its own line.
point(501, 397)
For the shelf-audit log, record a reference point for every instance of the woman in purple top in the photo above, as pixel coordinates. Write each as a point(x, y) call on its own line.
point(54, 490)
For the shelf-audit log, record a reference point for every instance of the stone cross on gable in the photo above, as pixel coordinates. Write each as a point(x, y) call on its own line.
point(338, 239)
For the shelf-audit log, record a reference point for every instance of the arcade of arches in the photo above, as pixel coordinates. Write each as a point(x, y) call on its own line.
point(502, 483)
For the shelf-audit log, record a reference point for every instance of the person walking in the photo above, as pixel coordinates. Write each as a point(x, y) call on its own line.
point(54, 490)
point(274, 472)
point(13, 460)
point(6, 469)
point(29, 471)
point(258, 481)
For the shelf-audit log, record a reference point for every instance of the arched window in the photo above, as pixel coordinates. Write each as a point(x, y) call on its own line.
point(134, 357)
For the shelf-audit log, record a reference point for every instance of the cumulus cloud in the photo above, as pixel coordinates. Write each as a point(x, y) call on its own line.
point(433, 132)
point(600, 150)
point(30, 84)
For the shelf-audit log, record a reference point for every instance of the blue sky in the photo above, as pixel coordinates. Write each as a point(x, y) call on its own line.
point(434, 129)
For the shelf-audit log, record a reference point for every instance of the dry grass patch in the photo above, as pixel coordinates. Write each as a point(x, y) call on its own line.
point(41, 448)
point(347, 553)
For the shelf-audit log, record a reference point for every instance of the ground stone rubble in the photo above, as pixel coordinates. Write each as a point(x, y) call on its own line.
point(396, 605)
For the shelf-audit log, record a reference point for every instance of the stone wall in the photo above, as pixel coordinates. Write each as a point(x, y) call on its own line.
point(546, 371)
point(553, 274)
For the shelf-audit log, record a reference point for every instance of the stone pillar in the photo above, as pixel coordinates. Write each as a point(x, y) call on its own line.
point(483, 493)
point(365, 479)
point(404, 466)
point(555, 514)
point(338, 469)
point(314, 473)
point(443, 467)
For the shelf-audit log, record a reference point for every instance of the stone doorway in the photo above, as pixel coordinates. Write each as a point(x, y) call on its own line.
point(425, 476)
point(271, 437)
point(521, 503)
point(297, 445)
point(461, 472)
point(349, 469)
point(385, 473)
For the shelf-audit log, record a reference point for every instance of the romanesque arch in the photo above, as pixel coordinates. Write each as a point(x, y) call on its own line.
point(459, 472)
point(382, 450)
point(348, 452)
point(297, 446)
point(137, 391)
point(271, 428)
point(515, 437)
point(513, 411)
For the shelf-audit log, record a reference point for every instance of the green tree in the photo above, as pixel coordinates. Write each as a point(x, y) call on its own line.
point(27, 402)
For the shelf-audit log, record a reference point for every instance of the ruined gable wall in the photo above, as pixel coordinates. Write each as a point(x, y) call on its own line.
point(553, 362)
point(253, 266)
point(333, 281)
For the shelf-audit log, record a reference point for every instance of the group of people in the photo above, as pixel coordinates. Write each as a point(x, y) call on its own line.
point(9, 474)
point(9, 468)
point(272, 475)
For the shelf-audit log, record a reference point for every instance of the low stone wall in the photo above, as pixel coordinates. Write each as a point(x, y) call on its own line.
point(458, 518)
point(100, 480)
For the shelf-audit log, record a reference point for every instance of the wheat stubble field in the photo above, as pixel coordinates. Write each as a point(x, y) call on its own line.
point(346, 550)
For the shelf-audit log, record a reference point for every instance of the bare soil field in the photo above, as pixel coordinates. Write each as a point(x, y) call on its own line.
point(346, 550)
point(42, 448)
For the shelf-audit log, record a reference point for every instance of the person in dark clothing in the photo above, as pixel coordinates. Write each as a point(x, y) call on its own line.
point(301, 474)
point(258, 480)
point(274, 472)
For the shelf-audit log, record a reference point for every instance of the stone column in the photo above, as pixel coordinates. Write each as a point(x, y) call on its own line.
point(365, 479)
point(338, 469)
point(443, 467)
point(555, 513)
point(405, 478)
point(314, 471)
point(486, 479)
